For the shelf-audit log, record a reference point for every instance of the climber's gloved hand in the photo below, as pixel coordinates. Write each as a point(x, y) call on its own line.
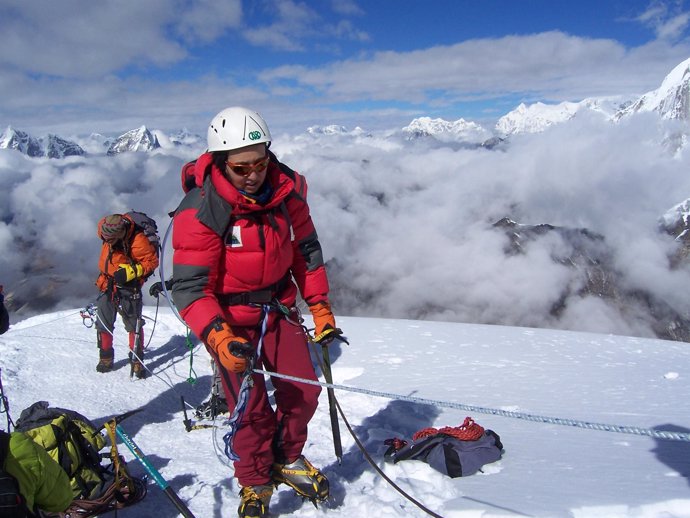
point(325, 330)
point(234, 352)
point(126, 273)
point(156, 289)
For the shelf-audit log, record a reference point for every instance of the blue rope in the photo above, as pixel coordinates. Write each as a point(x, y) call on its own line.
point(243, 397)
point(635, 430)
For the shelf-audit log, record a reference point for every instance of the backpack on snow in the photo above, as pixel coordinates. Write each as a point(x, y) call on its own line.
point(73, 442)
point(12, 503)
point(456, 452)
point(147, 225)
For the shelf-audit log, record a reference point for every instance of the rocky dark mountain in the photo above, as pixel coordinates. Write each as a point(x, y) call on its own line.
point(593, 273)
point(57, 147)
point(591, 259)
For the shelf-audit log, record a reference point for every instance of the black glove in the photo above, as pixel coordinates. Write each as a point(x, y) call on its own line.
point(127, 273)
point(157, 287)
point(329, 334)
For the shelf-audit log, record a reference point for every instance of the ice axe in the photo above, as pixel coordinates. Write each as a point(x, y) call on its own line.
point(155, 475)
point(326, 369)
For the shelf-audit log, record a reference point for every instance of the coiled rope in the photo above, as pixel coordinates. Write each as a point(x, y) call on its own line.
point(467, 431)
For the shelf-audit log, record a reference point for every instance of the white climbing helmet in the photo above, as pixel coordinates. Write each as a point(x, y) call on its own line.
point(235, 128)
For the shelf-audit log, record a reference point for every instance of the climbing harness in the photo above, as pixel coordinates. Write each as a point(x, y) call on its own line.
point(243, 396)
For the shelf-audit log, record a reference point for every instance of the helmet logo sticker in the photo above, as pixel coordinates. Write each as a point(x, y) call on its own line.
point(254, 135)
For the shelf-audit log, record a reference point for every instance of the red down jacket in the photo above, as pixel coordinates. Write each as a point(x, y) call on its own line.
point(225, 244)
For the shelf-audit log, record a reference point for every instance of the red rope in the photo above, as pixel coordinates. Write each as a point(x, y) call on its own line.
point(468, 431)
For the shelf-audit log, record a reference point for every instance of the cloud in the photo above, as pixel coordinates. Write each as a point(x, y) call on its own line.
point(407, 227)
point(668, 20)
point(298, 27)
point(73, 39)
point(548, 65)
point(81, 75)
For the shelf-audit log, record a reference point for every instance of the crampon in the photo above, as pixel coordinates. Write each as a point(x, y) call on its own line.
point(307, 481)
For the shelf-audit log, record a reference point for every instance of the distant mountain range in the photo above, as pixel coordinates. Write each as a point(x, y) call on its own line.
point(52, 146)
point(671, 101)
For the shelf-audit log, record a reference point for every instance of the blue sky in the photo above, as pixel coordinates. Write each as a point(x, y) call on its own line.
point(78, 67)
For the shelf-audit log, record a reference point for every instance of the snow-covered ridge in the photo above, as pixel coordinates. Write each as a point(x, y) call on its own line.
point(460, 129)
point(671, 100)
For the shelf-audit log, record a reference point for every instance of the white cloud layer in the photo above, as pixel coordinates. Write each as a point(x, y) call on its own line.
point(407, 227)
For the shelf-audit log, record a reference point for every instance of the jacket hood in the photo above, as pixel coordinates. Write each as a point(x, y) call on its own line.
point(282, 185)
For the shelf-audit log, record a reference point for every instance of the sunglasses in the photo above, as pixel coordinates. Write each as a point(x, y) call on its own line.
point(246, 169)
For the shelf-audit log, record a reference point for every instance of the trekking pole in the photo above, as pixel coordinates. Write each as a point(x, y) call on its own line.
point(162, 483)
point(335, 425)
point(137, 351)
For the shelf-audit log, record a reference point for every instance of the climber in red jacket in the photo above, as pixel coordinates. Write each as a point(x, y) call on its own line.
point(244, 242)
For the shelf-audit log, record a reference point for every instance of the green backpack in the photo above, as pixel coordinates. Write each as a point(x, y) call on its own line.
point(73, 442)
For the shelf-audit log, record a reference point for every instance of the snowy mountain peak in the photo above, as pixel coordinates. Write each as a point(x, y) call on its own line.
point(536, 117)
point(50, 146)
point(332, 129)
point(20, 141)
point(442, 129)
point(671, 100)
point(140, 139)
point(57, 147)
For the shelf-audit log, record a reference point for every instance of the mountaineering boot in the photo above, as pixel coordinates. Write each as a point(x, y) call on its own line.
point(136, 367)
point(137, 370)
point(254, 501)
point(105, 361)
point(106, 354)
point(212, 408)
point(305, 479)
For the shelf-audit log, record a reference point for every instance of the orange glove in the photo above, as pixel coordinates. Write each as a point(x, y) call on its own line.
point(324, 323)
point(234, 352)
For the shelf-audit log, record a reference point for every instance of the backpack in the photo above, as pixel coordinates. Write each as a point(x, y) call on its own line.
point(147, 225)
point(73, 442)
point(12, 503)
point(456, 452)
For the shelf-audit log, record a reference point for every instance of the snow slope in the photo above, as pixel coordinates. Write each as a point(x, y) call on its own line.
point(547, 470)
